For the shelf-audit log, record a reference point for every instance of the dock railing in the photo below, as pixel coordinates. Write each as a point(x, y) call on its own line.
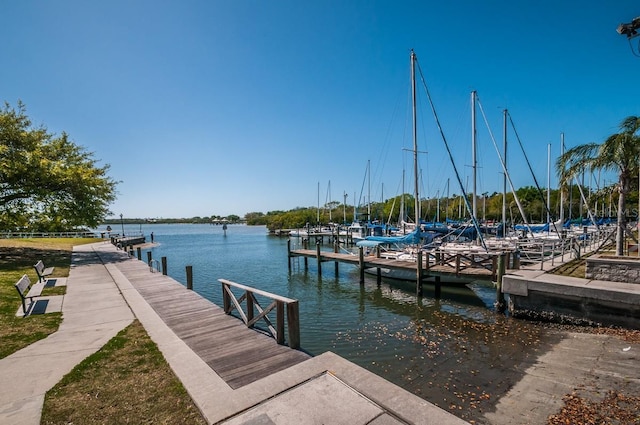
point(543, 251)
point(283, 306)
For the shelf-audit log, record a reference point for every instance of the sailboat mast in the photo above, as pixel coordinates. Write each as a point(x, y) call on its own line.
point(446, 207)
point(415, 138)
point(474, 162)
point(504, 178)
point(402, 218)
point(369, 190)
point(318, 213)
point(560, 186)
point(344, 207)
point(329, 202)
point(549, 183)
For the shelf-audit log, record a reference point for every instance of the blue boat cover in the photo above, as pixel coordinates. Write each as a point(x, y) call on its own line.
point(412, 238)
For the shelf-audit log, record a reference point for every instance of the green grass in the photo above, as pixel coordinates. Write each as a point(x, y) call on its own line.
point(127, 382)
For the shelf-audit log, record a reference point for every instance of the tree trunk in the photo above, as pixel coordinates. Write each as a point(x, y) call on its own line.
point(622, 213)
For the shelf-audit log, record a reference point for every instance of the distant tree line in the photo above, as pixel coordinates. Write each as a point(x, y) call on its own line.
point(232, 219)
point(489, 208)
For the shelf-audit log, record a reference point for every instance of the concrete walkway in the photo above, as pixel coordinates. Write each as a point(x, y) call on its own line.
point(100, 301)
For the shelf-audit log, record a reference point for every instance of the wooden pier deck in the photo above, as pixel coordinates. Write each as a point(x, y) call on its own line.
point(239, 355)
point(447, 266)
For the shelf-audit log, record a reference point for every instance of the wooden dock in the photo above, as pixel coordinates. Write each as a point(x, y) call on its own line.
point(438, 265)
point(238, 354)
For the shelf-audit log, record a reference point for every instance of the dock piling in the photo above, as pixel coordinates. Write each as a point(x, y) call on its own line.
point(419, 275)
point(319, 257)
point(305, 245)
point(164, 265)
point(361, 262)
point(289, 254)
point(189, 277)
point(378, 269)
point(500, 304)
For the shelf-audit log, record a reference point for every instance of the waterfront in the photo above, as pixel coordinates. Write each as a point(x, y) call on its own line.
point(454, 352)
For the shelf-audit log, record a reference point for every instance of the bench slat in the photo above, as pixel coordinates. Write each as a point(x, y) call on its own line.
point(23, 285)
point(36, 290)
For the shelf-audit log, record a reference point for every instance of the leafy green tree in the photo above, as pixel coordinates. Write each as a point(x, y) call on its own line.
point(233, 218)
point(48, 183)
point(618, 153)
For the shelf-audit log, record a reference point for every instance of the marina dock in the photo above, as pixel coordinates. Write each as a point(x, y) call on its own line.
point(451, 266)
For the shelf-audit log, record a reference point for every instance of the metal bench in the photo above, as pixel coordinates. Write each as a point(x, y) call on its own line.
point(42, 271)
point(28, 291)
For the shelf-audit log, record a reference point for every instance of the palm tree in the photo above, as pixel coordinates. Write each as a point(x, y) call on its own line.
point(620, 153)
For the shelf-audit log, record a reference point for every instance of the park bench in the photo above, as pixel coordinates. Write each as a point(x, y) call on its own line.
point(42, 271)
point(28, 291)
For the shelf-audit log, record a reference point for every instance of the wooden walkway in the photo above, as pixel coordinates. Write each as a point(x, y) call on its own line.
point(452, 266)
point(239, 355)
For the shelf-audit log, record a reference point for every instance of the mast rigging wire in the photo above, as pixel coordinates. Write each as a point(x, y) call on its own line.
point(535, 180)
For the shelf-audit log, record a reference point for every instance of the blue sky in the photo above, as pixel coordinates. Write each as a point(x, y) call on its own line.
point(229, 107)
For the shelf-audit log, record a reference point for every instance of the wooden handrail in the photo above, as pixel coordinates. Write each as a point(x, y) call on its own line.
point(283, 305)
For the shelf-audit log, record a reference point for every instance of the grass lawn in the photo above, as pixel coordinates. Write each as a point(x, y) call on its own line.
point(17, 257)
point(127, 382)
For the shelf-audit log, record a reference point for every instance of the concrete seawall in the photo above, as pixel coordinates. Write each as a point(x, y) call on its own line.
point(535, 294)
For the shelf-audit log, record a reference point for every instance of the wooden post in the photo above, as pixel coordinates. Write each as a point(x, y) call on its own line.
point(164, 265)
point(438, 288)
point(280, 322)
point(293, 322)
point(361, 261)
point(500, 304)
point(457, 264)
point(305, 245)
point(149, 258)
point(289, 254)
point(319, 258)
point(190, 277)
point(249, 298)
point(516, 259)
point(139, 251)
point(336, 249)
point(378, 269)
point(419, 275)
point(226, 299)
point(494, 267)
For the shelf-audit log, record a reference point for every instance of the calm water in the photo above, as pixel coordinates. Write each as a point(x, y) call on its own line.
point(454, 351)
